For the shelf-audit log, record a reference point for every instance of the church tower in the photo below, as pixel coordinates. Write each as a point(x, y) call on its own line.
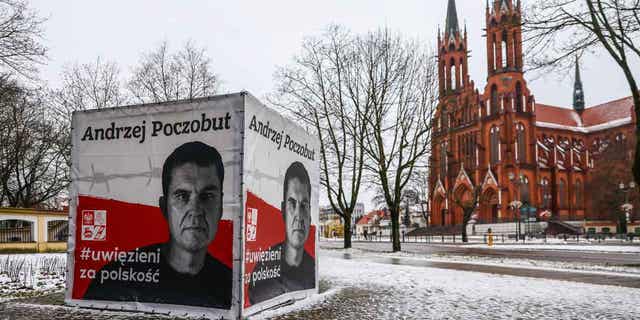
point(506, 86)
point(508, 108)
point(504, 37)
point(452, 55)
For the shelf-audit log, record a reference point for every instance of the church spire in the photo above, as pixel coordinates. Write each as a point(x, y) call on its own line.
point(502, 5)
point(451, 27)
point(578, 93)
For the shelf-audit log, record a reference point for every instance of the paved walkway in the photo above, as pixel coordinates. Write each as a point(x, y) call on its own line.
point(581, 276)
point(584, 277)
point(610, 258)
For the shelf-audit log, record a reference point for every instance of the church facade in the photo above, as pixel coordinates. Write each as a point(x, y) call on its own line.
point(499, 143)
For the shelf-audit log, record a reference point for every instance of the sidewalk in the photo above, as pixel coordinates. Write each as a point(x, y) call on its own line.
point(599, 278)
point(534, 252)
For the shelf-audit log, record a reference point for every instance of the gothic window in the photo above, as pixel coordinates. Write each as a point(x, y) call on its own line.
point(546, 193)
point(454, 75)
point(504, 50)
point(445, 119)
point(524, 190)
point(562, 194)
point(519, 105)
point(515, 50)
point(578, 192)
point(443, 160)
point(495, 144)
point(494, 99)
point(467, 150)
point(495, 52)
point(522, 143)
point(443, 68)
point(461, 73)
point(464, 115)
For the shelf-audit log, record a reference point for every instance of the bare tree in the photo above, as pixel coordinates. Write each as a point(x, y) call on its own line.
point(88, 86)
point(323, 89)
point(21, 34)
point(558, 30)
point(417, 192)
point(32, 148)
point(467, 201)
point(402, 95)
point(163, 76)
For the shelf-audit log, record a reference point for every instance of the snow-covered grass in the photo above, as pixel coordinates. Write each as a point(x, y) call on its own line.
point(408, 292)
point(30, 274)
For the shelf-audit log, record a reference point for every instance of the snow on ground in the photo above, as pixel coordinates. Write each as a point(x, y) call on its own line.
point(29, 274)
point(407, 292)
point(602, 269)
point(563, 247)
point(541, 264)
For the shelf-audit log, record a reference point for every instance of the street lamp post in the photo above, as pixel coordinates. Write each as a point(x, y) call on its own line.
point(626, 206)
point(516, 204)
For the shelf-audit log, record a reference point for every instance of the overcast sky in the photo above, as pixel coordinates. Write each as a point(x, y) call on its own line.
point(248, 39)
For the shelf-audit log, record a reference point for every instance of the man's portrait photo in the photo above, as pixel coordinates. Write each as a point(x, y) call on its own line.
point(297, 267)
point(191, 204)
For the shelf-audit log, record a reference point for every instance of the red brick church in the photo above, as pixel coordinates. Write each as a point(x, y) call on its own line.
point(510, 147)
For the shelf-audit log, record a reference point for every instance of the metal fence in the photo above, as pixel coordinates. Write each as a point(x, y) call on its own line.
point(14, 234)
point(503, 238)
point(57, 231)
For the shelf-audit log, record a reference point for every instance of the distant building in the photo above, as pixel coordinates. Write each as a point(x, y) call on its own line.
point(416, 217)
point(375, 222)
point(330, 221)
point(33, 230)
point(357, 213)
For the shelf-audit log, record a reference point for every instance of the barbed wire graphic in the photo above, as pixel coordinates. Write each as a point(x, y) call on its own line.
point(98, 177)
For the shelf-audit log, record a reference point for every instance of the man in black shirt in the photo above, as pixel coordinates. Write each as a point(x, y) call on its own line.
point(180, 271)
point(297, 268)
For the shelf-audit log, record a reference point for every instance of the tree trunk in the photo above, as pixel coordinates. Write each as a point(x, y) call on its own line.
point(395, 229)
point(347, 233)
point(465, 221)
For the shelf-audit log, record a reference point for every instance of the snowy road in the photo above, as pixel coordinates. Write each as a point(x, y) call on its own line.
point(369, 290)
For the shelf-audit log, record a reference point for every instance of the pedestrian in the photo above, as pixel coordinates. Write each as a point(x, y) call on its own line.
point(365, 233)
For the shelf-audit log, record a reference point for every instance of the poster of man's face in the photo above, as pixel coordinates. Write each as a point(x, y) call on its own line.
point(192, 201)
point(167, 230)
point(296, 205)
